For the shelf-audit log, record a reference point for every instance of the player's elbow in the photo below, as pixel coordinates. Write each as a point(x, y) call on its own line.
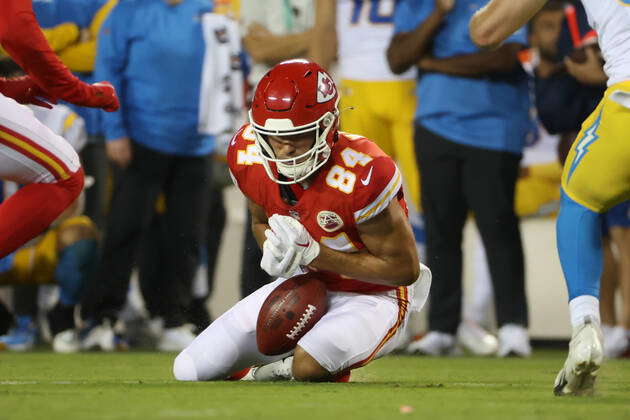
point(395, 60)
point(409, 274)
point(411, 277)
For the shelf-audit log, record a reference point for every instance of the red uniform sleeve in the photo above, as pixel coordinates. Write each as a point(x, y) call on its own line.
point(378, 183)
point(22, 38)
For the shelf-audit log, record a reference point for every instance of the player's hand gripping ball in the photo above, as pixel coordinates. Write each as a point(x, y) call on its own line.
point(289, 312)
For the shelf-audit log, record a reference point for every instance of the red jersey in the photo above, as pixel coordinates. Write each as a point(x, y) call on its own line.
point(357, 183)
point(22, 38)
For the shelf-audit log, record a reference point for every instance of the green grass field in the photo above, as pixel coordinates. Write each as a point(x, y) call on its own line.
point(137, 385)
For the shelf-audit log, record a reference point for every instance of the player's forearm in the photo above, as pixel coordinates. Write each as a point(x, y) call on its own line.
point(406, 49)
point(323, 42)
point(502, 60)
point(495, 22)
point(397, 270)
point(258, 229)
point(279, 48)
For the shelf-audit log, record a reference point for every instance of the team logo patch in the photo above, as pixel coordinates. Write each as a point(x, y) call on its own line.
point(329, 220)
point(326, 89)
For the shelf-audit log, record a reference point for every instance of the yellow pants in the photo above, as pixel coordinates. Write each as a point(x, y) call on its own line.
point(383, 112)
point(597, 172)
point(540, 188)
point(36, 264)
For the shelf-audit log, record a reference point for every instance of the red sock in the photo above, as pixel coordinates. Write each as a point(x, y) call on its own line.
point(29, 211)
point(236, 376)
point(342, 377)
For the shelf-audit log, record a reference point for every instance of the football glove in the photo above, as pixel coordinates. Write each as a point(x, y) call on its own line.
point(102, 95)
point(291, 234)
point(278, 261)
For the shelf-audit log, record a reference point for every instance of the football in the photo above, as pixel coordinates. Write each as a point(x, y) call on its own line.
point(289, 312)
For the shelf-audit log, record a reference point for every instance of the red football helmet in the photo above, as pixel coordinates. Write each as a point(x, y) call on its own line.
point(295, 97)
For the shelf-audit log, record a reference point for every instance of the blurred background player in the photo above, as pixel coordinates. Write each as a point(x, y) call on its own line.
point(30, 153)
point(562, 102)
point(375, 102)
point(335, 204)
point(379, 103)
point(222, 114)
point(595, 176)
point(157, 143)
point(471, 124)
point(616, 279)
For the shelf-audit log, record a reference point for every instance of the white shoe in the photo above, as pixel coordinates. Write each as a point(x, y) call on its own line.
point(514, 341)
point(615, 341)
point(475, 339)
point(434, 343)
point(586, 354)
point(155, 327)
point(99, 337)
point(282, 370)
point(176, 339)
point(66, 342)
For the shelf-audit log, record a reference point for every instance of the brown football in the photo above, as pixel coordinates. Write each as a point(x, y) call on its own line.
point(289, 312)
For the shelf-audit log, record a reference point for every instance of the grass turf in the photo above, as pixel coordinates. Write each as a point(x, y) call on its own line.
point(136, 385)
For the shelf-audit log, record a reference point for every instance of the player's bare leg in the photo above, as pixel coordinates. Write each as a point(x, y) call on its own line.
point(306, 368)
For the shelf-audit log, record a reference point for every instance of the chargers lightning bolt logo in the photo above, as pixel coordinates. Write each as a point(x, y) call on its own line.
point(589, 137)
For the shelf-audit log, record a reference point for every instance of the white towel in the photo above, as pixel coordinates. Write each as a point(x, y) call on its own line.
point(221, 98)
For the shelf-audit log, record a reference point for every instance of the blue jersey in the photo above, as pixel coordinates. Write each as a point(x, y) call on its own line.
point(490, 112)
point(153, 54)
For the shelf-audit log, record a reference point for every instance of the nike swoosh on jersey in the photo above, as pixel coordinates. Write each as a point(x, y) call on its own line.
point(366, 181)
point(302, 245)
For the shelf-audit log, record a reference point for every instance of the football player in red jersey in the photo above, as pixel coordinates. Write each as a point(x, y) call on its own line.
point(320, 200)
point(30, 153)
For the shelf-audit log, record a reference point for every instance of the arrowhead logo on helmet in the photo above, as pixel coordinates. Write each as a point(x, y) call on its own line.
point(326, 89)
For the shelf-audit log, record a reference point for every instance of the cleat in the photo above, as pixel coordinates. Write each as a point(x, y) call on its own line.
point(472, 337)
point(579, 373)
point(434, 343)
point(66, 342)
point(20, 338)
point(282, 370)
point(102, 337)
point(514, 341)
point(176, 339)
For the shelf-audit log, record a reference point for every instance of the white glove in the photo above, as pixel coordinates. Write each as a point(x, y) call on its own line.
point(288, 234)
point(277, 262)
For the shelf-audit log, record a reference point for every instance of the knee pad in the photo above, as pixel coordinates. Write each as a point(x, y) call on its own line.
point(184, 368)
